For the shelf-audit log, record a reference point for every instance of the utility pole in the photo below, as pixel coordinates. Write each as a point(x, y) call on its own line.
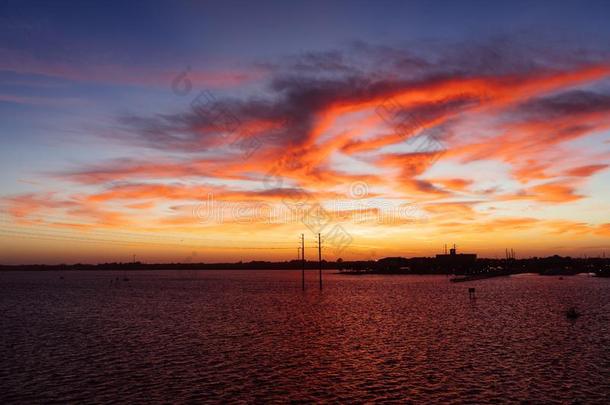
point(303, 261)
point(320, 258)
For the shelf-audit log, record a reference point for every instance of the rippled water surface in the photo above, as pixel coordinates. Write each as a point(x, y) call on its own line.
point(254, 336)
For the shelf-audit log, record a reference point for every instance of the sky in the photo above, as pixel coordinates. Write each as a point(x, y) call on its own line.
point(222, 131)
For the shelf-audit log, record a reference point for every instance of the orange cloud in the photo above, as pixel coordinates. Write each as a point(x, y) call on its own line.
point(554, 193)
point(603, 229)
point(586, 171)
point(456, 184)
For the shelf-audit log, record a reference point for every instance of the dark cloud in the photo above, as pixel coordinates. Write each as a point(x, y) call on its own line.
point(573, 102)
point(301, 88)
point(296, 91)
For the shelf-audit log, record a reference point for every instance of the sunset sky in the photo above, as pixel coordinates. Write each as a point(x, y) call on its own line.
point(206, 132)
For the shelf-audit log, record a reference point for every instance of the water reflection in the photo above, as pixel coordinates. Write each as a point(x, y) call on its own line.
point(254, 336)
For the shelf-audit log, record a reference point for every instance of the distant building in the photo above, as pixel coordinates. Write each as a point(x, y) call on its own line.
point(392, 265)
point(456, 262)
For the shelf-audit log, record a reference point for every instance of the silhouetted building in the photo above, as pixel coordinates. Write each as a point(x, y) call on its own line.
point(392, 265)
point(456, 262)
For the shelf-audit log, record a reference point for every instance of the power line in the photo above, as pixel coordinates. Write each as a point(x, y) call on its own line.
point(53, 229)
point(320, 259)
point(303, 261)
point(31, 235)
point(123, 236)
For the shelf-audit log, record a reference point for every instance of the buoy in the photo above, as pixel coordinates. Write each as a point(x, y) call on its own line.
point(572, 313)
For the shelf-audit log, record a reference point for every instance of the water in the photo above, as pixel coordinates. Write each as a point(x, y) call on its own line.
point(254, 336)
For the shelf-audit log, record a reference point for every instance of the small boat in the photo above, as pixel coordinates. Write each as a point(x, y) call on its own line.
point(356, 271)
point(479, 276)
